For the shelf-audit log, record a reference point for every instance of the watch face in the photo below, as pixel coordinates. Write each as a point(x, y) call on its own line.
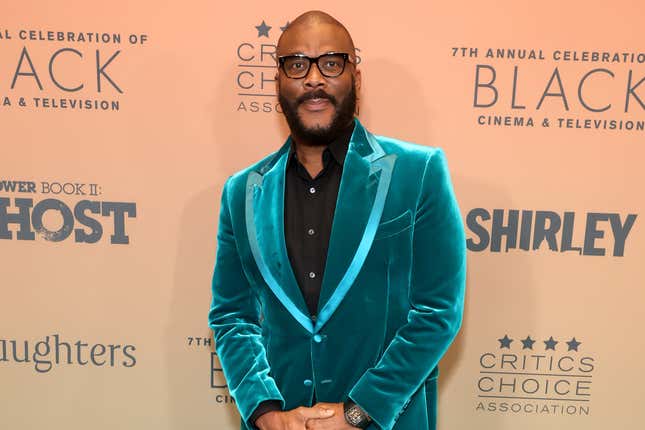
point(354, 415)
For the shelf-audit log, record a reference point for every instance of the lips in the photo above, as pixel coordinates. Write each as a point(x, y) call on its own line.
point(316, 104)
point(316, 101)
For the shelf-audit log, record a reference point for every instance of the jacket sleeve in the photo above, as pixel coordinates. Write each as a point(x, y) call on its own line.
point(436, 295)
point(235, 319)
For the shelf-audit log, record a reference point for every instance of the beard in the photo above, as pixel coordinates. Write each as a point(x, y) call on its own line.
point(319, 135)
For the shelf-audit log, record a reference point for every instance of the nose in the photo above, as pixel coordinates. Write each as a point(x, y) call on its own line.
point(314, 78)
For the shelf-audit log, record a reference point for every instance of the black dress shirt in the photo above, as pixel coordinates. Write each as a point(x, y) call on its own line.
point(309, 205)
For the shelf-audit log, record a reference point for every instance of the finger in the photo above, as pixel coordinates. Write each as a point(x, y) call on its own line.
point(326, 406)
point(313, 424)
point(316, 412)
point(321, 424)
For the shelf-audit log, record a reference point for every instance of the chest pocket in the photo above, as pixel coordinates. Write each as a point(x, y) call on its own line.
point(394, 225)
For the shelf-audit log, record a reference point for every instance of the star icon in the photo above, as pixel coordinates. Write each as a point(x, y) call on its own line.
point(573, 344)
point(505, 342)
point(527, 343)
point(285, 26)
point(263, 29)
point(550, 344)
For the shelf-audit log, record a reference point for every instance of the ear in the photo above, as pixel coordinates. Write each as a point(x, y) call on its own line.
point(357, 80)
point(277, 83)
point(357, 87)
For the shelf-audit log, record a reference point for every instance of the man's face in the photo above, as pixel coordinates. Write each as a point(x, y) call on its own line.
point(316, 107)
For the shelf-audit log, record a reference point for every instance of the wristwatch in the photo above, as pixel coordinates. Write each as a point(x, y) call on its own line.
point(355, 416)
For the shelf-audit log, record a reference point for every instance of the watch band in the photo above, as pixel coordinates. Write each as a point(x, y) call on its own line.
point(355, 416)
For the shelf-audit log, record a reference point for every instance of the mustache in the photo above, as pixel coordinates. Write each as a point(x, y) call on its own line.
point(317, 94)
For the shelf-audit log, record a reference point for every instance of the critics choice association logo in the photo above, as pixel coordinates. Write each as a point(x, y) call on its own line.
point(546, 375)
point(256, 68)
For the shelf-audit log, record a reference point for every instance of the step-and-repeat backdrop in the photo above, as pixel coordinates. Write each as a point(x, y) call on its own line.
point(121, 121)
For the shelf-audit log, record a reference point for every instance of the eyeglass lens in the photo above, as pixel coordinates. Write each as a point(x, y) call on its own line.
point(330, 65)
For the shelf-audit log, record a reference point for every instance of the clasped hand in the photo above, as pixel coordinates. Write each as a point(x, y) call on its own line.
point(321, 416)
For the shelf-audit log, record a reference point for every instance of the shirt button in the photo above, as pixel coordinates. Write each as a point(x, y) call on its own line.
point(312, 190)
point(308, 382)
point(317, 338)
point(312, 275)
point(311, 232)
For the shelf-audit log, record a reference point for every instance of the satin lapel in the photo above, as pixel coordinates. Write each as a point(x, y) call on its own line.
point(361, 198)
point(265, 229)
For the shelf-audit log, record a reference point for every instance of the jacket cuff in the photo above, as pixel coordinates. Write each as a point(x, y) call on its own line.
point(263, 408)
point(383, 415)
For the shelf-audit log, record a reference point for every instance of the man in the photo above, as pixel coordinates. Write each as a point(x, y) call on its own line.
point(340, 267)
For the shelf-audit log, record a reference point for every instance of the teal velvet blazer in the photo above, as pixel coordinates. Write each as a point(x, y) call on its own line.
point(392, 291)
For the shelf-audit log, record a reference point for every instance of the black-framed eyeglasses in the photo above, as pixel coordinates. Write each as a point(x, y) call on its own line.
point(331, 65)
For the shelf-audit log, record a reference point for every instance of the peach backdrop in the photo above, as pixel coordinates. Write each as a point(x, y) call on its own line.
point(116, 333)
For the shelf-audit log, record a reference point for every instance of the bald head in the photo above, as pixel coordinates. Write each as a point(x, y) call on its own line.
point(305, 26)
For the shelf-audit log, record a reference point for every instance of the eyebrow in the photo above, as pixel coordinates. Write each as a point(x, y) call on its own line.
point(302, 53)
